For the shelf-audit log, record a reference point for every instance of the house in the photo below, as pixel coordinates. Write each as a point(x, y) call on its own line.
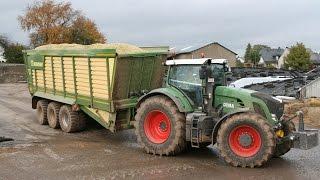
point(270, 57)
point(314, 57)
point(281, 59)
point(2, 59)
point(240, 59)
point(209, 50)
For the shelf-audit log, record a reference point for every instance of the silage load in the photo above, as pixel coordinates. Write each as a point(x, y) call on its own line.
point(121, 48)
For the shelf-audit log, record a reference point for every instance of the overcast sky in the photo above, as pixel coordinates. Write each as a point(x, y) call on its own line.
point(232, 23)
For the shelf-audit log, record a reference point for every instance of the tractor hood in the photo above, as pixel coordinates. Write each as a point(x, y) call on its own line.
point(251, 99)
point(233, 92)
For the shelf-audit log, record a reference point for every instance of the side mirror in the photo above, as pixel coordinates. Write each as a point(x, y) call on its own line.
point(205, 72)
point(202, 72)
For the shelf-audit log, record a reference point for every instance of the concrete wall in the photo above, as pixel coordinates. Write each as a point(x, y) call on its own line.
point(214, 51)
point(12, 73)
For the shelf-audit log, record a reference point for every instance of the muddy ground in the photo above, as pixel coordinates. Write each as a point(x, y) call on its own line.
point(39, 152)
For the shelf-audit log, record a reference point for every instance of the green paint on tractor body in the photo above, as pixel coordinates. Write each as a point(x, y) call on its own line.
point(232, 99)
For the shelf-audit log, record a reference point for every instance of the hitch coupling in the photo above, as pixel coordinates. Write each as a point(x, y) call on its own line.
point(304, 138)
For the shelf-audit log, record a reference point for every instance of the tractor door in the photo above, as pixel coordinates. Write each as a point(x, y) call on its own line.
point(186, 78)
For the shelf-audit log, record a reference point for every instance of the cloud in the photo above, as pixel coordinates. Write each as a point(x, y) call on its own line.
point(233, 23)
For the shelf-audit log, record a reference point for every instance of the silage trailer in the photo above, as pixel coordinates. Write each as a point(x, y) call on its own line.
point(174, 104)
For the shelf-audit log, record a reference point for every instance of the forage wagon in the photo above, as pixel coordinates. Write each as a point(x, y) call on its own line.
point(173, 105)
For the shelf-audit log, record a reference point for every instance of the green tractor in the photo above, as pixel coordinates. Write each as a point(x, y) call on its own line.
point(195, 108)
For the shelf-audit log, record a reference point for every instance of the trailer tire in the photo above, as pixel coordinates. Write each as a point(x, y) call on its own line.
point(53, 115)
point(246, 140)
point(71, 121)
point(285, 147)
point(160, 127)
point(42, 106)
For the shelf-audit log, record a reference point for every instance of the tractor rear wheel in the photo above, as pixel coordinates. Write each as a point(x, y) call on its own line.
point(160, 127)
point(246, 140)
point(42, 106)
point(71, 121)
point(285, 147)
point(53, 114)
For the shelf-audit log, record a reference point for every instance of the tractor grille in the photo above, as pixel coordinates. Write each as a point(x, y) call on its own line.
point(274, 106)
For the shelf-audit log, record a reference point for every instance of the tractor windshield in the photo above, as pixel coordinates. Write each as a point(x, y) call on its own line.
point(186, 78)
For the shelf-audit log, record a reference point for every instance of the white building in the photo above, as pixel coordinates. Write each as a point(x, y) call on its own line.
point(281, 59)
point(2, 59)
point(270, 57)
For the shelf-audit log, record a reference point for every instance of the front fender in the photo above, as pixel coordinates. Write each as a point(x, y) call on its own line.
point(222, 119)
point(176, 96)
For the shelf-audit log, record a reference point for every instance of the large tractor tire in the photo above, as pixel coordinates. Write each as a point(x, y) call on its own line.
point(246, 140)
point(285, 147)
point(71, 121)
point(160, 127)
point(42, 106)
point(53, 115)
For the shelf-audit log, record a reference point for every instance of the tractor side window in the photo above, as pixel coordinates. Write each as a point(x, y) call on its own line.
point(186, 78)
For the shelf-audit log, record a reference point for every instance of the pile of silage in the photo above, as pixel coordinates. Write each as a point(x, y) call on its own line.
point(121, 48)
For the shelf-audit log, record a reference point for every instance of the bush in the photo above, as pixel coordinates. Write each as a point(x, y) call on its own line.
point(13, 53)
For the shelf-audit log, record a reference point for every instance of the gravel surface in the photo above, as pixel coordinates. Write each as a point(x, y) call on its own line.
point(39, 152)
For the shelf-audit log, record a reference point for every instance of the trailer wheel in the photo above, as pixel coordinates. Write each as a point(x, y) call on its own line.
point(42, 106)
point(285, 147)
point(246, 140)
point(53, 114)
point(160, 127)
point(71, 121)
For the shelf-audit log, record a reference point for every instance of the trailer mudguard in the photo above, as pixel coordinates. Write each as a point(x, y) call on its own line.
point(222, 119)
point(182, 102)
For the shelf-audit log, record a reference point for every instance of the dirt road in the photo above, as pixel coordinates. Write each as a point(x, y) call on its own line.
point(39, 152)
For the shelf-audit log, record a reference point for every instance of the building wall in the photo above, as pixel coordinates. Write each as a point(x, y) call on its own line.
point(214, 51)
point(311, 89)
point(281, 59)
point(184, 56)
point(12, 73)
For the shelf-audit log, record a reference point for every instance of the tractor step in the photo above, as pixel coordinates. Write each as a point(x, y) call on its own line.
point(195, 134)
point(199, 129)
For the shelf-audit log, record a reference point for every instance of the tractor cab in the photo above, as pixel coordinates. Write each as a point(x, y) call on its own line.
point(186, 75)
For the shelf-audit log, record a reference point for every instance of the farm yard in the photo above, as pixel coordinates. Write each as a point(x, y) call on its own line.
point(159, 90)
point(40, 152)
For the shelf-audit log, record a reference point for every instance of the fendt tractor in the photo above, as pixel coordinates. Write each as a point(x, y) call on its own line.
point(174, 105)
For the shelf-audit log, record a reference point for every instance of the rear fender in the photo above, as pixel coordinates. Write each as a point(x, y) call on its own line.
point(177, 97)
point(222, 119)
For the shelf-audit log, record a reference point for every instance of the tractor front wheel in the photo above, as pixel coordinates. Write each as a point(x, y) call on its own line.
point(160, 127)
point(246, 140)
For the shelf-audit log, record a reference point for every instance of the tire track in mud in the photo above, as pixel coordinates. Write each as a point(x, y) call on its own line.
point(14, 107)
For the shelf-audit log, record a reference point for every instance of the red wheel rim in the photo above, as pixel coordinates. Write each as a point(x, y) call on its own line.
point(157, 126)
point(245, 141)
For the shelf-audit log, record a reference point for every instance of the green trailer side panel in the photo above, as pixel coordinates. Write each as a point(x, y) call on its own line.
point(104, 84)
point(106, 119)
